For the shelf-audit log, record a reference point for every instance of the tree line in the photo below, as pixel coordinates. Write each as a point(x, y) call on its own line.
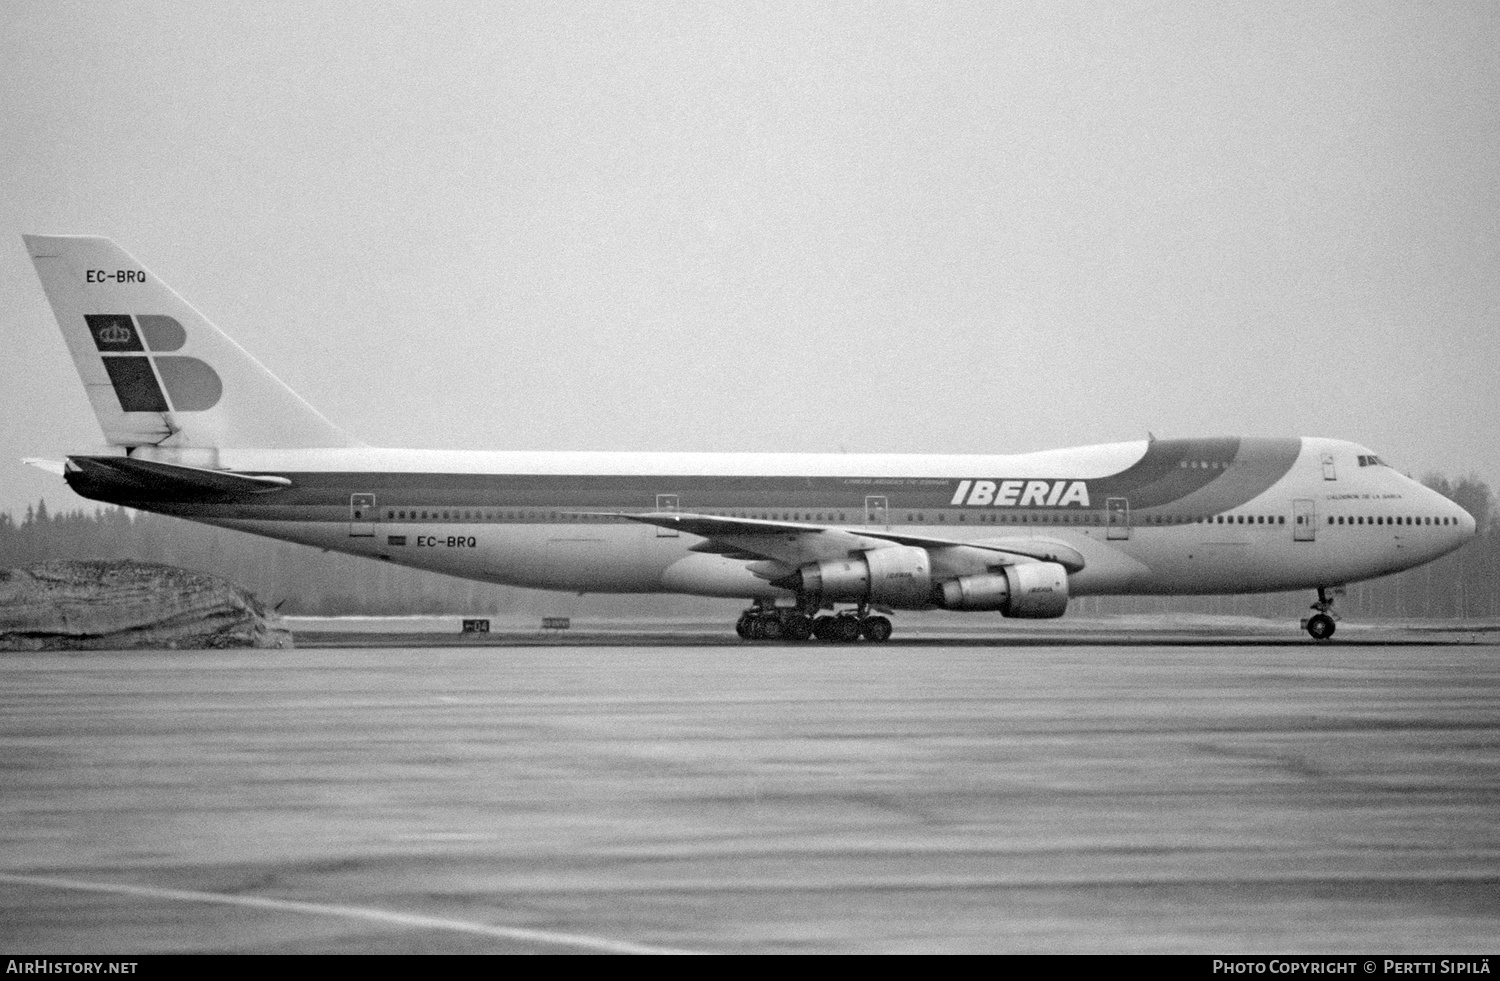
point(303, 580)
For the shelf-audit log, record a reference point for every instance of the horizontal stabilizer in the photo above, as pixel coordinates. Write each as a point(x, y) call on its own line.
point(54, 467)
point(149, 480)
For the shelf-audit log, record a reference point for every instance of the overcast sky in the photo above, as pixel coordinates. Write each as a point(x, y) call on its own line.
point(920, 227)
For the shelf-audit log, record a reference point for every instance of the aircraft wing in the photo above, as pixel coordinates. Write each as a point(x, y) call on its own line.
point(788, 542)
point(795, 543)
point(1018, 549)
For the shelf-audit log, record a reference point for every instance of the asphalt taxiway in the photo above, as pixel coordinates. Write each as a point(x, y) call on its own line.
point(930, 796)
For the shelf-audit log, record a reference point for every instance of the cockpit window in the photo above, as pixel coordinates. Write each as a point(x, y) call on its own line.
point(1371, 460)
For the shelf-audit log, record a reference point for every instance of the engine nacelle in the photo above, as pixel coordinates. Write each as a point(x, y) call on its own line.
point(899, 576)
point(1033, 590)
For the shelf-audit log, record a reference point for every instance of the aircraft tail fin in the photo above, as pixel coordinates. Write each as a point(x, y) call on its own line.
point(157, 372)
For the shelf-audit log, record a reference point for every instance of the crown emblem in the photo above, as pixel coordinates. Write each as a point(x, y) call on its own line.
point(115, 334)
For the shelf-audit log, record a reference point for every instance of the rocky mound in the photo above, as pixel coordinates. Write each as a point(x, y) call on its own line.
point(122, 605)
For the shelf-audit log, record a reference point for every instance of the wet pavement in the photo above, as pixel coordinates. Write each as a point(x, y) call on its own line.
point(1177, 797)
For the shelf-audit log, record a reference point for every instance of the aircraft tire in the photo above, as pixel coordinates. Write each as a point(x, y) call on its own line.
point(742, 627)
point(770, 628)
point(877, 630)
point(845, 630)
point(1320, 626)
point(797, 626)
point(821, 628)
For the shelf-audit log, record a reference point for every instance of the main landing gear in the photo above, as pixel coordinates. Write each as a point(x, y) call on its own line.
point(762, 622)
point(1320, 625)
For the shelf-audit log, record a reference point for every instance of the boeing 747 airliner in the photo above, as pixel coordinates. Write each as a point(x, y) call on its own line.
point(819, 545)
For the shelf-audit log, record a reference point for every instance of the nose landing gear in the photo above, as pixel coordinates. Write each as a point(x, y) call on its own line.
point(1321, 624)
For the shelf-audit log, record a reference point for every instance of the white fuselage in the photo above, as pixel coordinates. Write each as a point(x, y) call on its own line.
point(1356, 521)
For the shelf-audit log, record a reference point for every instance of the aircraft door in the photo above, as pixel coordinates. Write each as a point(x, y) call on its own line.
point(877, 512)
point(362, 515)
point(1117, 518)
point(1304, 521)
point(666, 502)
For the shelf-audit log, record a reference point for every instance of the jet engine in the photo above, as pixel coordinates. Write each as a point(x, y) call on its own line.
point(1033, 590)
point(898, 576)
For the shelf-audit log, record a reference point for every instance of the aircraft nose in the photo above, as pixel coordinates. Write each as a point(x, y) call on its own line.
point(1467, 523)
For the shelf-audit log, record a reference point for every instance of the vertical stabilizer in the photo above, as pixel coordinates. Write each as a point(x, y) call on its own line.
point(157, 372)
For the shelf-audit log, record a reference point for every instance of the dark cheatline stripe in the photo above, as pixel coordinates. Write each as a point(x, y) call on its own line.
point(1191, 477)
point(1259, 463)
point(1160, 478)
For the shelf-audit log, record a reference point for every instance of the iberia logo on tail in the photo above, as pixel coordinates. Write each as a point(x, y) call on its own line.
point(144, 381)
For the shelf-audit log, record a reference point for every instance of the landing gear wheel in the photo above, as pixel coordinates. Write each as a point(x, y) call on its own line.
point(743, 627)
point(845, 630)
point(1320, 626)
point(823, 628)
point(770, 628)
point(797, 626)
point(876, 629)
